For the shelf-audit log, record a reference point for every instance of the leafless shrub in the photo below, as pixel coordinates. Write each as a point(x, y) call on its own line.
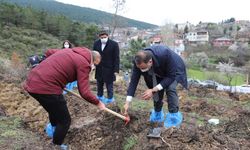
point(13, 69)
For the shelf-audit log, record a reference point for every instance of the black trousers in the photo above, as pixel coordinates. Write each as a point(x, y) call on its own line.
point(109, 86)
point(172, 96)
point(58, 112)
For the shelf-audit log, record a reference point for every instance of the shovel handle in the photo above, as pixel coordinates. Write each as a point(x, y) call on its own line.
point(106, 109)
point(115, 113)
point(73, 93)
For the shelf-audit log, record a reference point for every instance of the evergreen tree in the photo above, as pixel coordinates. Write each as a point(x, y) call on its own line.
point(186, 30)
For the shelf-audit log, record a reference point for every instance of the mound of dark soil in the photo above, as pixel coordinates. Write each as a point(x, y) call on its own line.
point(234, 134)
point(107, 132)
point(92, 129)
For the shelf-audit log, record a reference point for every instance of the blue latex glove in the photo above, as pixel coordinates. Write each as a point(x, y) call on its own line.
point(156, 116)
point(50, 130)
point(173, 120)
point(70, 86)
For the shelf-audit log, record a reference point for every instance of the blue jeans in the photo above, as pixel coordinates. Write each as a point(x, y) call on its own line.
point(171, 93)
point(109, 87)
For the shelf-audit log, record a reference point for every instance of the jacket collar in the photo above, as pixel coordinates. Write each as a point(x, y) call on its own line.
point(155, 61)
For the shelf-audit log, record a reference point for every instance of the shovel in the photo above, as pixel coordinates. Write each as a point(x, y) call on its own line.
point(154, 133)
point(125, 118)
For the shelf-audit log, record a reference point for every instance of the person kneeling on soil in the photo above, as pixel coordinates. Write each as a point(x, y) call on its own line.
point(46, 82)
point(162, 70)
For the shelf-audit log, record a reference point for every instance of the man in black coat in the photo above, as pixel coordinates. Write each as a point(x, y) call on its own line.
point(108, 68)
point(162, 70)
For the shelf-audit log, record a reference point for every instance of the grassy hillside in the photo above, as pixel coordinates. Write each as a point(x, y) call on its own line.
point(25, 41)
point(77, 13)
point(26, 31)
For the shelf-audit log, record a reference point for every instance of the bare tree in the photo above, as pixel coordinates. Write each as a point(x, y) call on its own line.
point(119, 6)
point(167, 32)
point(227, 68)
point(247, 72)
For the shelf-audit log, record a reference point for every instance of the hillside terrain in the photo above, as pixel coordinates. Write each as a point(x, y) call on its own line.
point(23, 120)
point(25, 42)
point(83, 14)
point(25, 31)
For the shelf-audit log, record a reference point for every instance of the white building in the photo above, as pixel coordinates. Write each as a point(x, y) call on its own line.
point(196, 37)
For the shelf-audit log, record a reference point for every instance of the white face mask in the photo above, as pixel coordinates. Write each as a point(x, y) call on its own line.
point(144, 70)
point(104, 40)
point(66, 45)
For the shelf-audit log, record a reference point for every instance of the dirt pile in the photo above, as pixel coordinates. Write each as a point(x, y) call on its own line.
point(92, 129)
point(108, 132)
point(15, 102)
point(234, 134)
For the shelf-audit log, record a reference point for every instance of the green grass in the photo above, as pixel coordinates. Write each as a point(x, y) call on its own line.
point(238, 79)
point(196, 74)
point(193, 118)
point(246, 104)
point(212, 60)
point(12, 122)
point(13, 135)
point(25, 42)
point(129, 142)
point(9, 127)
point(9, 133)
point(214, 101)
point(136, 104)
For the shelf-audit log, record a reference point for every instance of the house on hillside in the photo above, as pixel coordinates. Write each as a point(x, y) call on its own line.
point(222, 42)
point(197, 37)
point(242, 22)
point(243, 36)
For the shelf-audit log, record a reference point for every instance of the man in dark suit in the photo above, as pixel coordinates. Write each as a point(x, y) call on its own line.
point(108, 68)
point(162, 70)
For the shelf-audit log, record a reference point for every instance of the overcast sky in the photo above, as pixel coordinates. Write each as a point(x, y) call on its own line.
point(175, 11)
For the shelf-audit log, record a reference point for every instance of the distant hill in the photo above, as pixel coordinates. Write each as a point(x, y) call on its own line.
point(27, 31)
point(25, 42)
point(77, 13)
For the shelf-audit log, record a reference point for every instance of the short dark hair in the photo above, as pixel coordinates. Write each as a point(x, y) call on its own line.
point(142, 56)
point(103, 32)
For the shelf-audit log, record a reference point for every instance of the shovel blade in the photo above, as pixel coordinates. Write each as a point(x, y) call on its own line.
point(154, 133)
point(127, 119)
